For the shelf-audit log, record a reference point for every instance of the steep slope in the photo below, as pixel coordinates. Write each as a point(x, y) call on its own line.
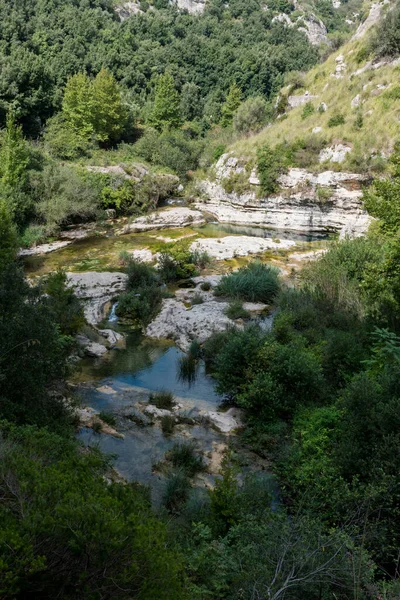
point(337, 126)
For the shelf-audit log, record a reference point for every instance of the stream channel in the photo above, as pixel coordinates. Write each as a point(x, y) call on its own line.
point(120, 382)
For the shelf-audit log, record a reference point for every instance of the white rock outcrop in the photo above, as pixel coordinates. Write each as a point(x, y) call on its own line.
point(297, 207)
point(93, 349)
point(238, 245)
point(96, 290)
point(226, 422)
point(183, 325)
point(165, 219)
point(300, 100)
point(192, 6)
point(370, 21)
point(44, 248)
point(127, 9)
point(315, 30)
point(334, 154)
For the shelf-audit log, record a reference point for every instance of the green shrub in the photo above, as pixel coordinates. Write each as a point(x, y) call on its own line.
point(270, 164)
point(336, 119)
point(32, 235)
point(206, 286)
point(187, 368)
point(176, 491)
point(219, 151)
point(176, 261)
point(108, 418)
point(163, 400)
point(167, 424)
point(195, 349)
point(256, 282)
point(141, 304)
point(235, 311)
point(251, 115)
point(139, 273)
point(65, 305)
point(324, 194)
point(393, 93)
point(308, 110)
point(185, 457)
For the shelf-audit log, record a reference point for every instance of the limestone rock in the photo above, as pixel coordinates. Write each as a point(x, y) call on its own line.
point(157, 413)
point(317, 130)
point(113, 337)
point(335, 154)
point(356, 102)
point(183, 325)
point(145, 255)
point(295, 101)
point(87, 417)
point(90, 348)
point(239, 245)
point(96, 290)
point(315, 30)
point(193, 7)
point(44, 248)
point(340, 67)
point(170, 218)
point(127, 9)
point(225, 422)
point(297, 207)
point(370, 21)
point(322, 107)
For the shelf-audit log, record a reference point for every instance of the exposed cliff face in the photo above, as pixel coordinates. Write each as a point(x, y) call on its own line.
point(192, 6)
point(328, 201)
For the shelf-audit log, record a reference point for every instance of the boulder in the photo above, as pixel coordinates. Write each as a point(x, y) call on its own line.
point(93, 349)
point(113, 337)
point(157, 413)
point(226, 422)
point(315, 30)
point(96, 290)
point(192, 6)
point(170, 218)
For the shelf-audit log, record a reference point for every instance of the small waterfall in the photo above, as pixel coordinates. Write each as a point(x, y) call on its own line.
point(112, 316)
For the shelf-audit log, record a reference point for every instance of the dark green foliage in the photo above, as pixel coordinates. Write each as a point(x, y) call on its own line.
point(256, 282)
point(140, 305)
point(195, 349)
point(270, 164)
point(8, 237)
point(162, 399)
point(386, 39)
point(184, 456)
point(206, 286)
point(176, 490)
point(33, 355)
point(66, 307)
point(52, 538)
point(235, 310)
point(139, 274)
point(336, 119)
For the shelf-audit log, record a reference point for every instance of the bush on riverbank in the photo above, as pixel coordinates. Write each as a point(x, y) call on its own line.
point(256, 282)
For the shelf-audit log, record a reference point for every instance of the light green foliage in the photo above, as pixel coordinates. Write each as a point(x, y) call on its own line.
point(14, 154)
point(308, 110)
point(64, 141)
point(232, 103)
point(8, 237)
point(270, 165)
point(257, 282)
point(93, 108)
point(53, 537)
point(251, 116)
point(166, 110)
point(382, 200)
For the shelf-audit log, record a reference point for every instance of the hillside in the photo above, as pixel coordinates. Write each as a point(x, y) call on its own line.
point(349, 103)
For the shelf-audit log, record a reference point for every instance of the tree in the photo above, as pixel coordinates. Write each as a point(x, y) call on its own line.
point(190, 102)
point(166, 111)
point(78, 104)
point(14, 155)
point(109, 115)
point(271, 164)
point(8, 237)
point(231, 105)
point(250, 116)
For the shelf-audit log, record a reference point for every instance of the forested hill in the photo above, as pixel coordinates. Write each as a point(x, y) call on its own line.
point(43, 42)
